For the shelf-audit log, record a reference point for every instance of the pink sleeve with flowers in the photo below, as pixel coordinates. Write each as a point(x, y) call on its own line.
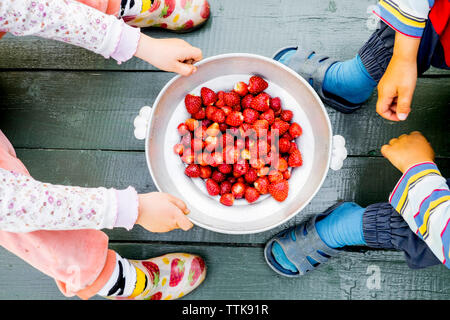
point(28, 205)
point(68, 21)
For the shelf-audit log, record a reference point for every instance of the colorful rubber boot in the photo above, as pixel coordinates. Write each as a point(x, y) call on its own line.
point(167, 277)
point(175, 15)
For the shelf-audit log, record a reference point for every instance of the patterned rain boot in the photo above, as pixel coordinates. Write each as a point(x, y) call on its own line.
point(175, 15)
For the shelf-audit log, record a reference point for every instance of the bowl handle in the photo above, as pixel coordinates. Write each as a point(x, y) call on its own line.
point(141, 122)
point(338, 152)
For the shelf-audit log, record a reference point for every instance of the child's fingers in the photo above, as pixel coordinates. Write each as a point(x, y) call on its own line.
point(194, 53)
point(184, 69)
point(385, 150)
point(179, 203)
point(404, 103)
point(183, 222)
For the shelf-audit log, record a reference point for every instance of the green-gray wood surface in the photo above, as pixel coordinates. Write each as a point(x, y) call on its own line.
point(69, 114)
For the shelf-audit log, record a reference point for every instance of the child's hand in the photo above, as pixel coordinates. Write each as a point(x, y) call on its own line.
point(407, 150)
point(162, 212)
point(174, 55)
point(396, 87)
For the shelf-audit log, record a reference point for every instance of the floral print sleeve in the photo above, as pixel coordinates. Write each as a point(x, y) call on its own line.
point(67, 21)
point(28, 205)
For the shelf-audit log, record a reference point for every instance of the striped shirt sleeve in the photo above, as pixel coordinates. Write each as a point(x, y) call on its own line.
point(422, 198)
point(405, 16)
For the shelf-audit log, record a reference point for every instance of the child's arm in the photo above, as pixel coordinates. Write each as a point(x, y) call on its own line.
point(396, 88)
point(421, 196)
point(83, 26)
point(28, 205)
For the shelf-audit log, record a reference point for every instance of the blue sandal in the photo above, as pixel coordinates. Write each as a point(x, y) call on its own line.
point(312, 68)
point(302, 246)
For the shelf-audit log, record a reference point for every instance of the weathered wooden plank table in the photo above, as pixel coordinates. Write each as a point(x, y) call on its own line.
point(69, 114)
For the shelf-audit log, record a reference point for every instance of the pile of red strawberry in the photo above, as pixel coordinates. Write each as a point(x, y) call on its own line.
point(241, 142)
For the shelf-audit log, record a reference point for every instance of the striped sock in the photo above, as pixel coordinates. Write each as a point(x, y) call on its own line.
point(132, 8)
point(126, 281)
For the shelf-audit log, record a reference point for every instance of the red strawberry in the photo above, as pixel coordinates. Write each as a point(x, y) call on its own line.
point(251, 194)
point(218, 176)
point(257, 163)
point(261, 127)
point(287, 174)
point(240, 144)
point(210, 111)
point(275, 176)
point(227, 139)
point(264, 171)
point(192, 124)
point(251, 175)
point(197, 145)
point(211, 143)
point(169, 6)
point(286, 115)
point(192, 170)
point(227, 199)
point(204, 159)
point(247, 101)
point(231, 155)
point(199, 115)
point(262, 185)
point(205, 172)
point(238, 190)
point(219, 116)
point(246, 129)
point(176, 272)
point(295, 159)
point(188, 157)
point(186, 140)
point(250, 115)
point(293, 147)
point(245, 154)
point(212, 187)
point(281, 126)
point(241, 88)
point(178, 149)
point(256, 85)
point(269, 115)
point(220, 102)
point(235, 119)
point(213, 130)
point(225, 187)
point(227, 110)
point(231, 99)
point(284, 145)
point(225, 168)
point(156, 296)
point(240, 168)
point(281, 165)
point(279, 190)
point(217, 159)
point(287, 136)
point(153, 271)
point(182, 129)
point(295, 130)
point(193, 103)
point(275, 104)
point(261, 102)
point(209, 97)
point(197, 268)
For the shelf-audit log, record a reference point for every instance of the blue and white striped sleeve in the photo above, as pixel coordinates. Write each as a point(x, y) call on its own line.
point(422, 198)
point(405, 16)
